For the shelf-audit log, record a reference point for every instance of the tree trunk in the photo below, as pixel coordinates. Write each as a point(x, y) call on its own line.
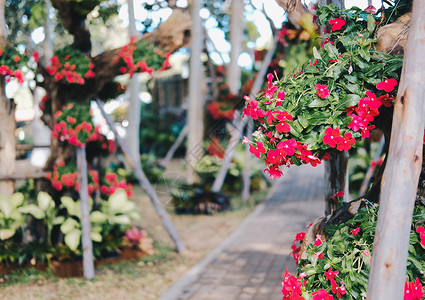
point(133, 113)
point(88, 261)
point(335, 179)
point(236, 40)
point(40, 132)
point(7, 122)
point(196, 99)
point(246, 175)
point(400, 181)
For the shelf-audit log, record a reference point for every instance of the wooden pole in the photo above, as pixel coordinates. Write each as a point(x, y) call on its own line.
point(236, 41)
point(401, 175)
point(88, 261)
point(145, 184)
point(196, 98)
point(183, 133)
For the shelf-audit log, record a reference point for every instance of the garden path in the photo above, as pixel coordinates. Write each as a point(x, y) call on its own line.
point(249, 265)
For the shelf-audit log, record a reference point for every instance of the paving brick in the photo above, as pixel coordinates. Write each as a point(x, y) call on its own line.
point(251, 267)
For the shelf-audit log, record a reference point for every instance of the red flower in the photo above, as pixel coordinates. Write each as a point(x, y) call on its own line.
point(274, 157)
point(299, 236)
point(339, 194)
point(252, 109)
point(283, 127)
point(16, 58)
point(387, 85)
point(354, 232)
point(336, 24)
point(386, 100)
point(322, 90)
point(331, 275)
point(370, 9)
point(257, 151)
point(413, 290)
point(273, 171)
point(287, 147)
point(36, 56)
point(322, 295)
point(348, 142)
point(332, 137)
point(421, 231)
point(291, 287)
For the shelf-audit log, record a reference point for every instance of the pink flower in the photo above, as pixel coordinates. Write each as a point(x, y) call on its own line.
point(299, 236)
point(337, 24)
point(370, 9)
point(387, 85)
point(287, 147)
point(365, 253)
point(273, 171)
point(322, 90)
point(245, 140)
point(413, 290)
point(355, 231)
point(322, 295)
point(274, 157)
point(339, 194)
point(291, 287)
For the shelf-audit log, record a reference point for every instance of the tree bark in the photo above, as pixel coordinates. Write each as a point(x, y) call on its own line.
point(196, 99)
point(400, 181)
point(7, 122)
point(236, 40)
point(335, 179)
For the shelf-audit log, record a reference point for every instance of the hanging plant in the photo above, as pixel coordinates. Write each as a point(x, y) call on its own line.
point(330, 102)
point(12, 61)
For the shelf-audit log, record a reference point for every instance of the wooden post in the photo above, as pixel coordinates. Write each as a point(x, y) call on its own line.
point(335, 179)
point(196, 99)
point(401, 175)
point(183, 133)
point(88, 261)
point(133, 112)
point(236, 41)
point(145, 184)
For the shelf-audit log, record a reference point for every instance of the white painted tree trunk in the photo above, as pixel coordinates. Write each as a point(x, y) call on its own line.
point(145, 184)
point(196, 99)
point(40, 132)
point(401, 175)
point(236, 40)
point(7, 123)
point(88, 260)
point(133, 113)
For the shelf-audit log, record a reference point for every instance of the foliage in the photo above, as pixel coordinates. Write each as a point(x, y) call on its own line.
point(341, 264)
point(11, 215)
point(329, 103)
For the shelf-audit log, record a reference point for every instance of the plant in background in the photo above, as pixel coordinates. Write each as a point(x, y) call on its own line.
point(45, 210)
point(340, 265)
point(135, 237)
point(11, 215)
point(329, 103)
point(71, 226)
point(11, 62)
point(70, 66)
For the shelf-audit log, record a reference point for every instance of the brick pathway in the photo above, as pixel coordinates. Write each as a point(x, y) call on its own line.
point(250, 263)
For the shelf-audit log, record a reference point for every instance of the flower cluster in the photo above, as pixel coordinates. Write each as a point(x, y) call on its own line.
point(339, 266)
point(326, 105)
point(133, 58)
point(73, 124)
point(65, 176)
point(215, 148)
point(296, 246)
point(112, 183)
point(71, 66)
point(11, 61)
point(220, 109)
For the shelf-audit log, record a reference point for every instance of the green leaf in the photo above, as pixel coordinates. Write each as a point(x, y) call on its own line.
point(97, 217)
point(359, 62)
point(332, 51)
point(365, 54)
point(34, 210)
point(316, 53)
point(95, 236)
point(371, 23)
point(317, 103)
point(69, 225)
point(17, 199)
point(73, 207)
point(348, 100)
point(72, 239)
point(6, 233)
point(117, 200)
point(45, 201)
point(354, 88)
